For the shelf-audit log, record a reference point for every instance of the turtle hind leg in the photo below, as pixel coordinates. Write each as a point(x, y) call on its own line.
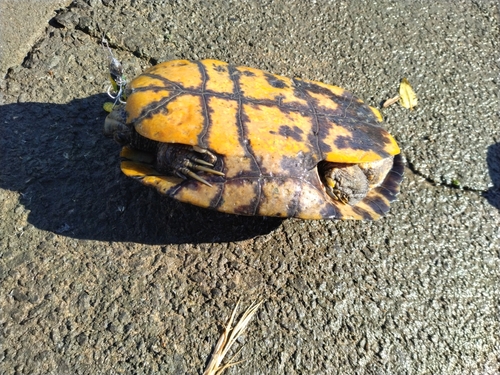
point(350, 183)
point(184, 161)
point(344, 182)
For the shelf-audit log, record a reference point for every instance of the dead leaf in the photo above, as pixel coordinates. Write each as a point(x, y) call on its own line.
point(408, 97)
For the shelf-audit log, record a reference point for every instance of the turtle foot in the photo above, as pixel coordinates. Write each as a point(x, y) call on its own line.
point(184, 161)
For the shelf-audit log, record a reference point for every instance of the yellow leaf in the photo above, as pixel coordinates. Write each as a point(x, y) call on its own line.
point(408, 97)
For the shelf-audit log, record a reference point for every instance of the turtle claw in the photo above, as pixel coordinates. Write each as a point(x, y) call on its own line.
point(185, 173)
point(205, 169)
point(210, 154)
point(184, 161)
point(202, 162)
point(199, 165)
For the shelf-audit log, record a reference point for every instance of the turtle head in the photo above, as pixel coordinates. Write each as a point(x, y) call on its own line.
point(115, 125)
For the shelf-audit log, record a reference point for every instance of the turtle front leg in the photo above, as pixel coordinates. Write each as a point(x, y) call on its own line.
point(183, 161)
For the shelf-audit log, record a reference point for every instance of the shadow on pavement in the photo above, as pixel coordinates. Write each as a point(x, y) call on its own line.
point(68, 176)
point(493, 161)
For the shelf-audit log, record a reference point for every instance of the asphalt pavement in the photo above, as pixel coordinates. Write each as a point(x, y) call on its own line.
point(100, 274)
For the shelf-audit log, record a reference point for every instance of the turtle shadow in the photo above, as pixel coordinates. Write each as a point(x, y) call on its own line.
point(68, 176)
point(493, 162)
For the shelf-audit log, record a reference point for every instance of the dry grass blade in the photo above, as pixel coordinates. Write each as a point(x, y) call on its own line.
point(227, 339)
point(391, 101)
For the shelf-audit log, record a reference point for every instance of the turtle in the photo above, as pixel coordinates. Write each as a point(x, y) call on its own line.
point(243, 141)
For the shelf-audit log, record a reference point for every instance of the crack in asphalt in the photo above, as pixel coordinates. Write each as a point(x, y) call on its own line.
point(434, 183)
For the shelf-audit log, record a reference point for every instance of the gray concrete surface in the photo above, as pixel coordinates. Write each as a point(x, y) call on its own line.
point(22, 23)
point(101, 275)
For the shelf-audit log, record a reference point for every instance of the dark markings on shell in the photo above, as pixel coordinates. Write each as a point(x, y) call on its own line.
point(323, 130)
point(389, 189)
point(216, 200)
point(297, 166)
point(154, 108)
point(377, 204)
point(395, 176)
point(357, 117)
point(304, 177)
point(220, 68)
point(295, 133)
point(363, 125)
point(363, 213)
point(313, 136)
point(274, 81)
point(248, 73)
point(167, 84)
point(330, 211)
point(351, 114)
point(388, 194)
point(252, 207)
point(366, 131)
point(206, 119)
point(366, 137)
point(241, 121)
point(346, 102)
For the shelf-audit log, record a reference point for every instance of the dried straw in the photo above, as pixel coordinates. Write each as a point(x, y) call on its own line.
point(227, 339)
